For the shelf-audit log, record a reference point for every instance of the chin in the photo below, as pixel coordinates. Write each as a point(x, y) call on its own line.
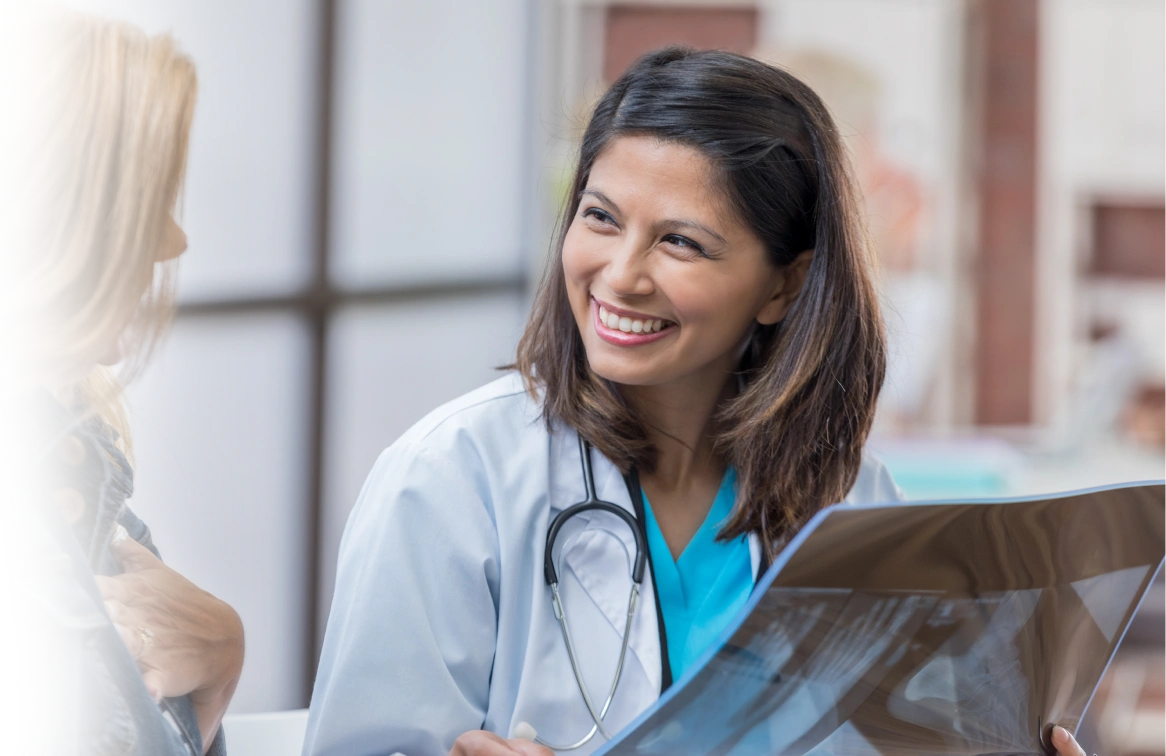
point(110, 361)
point(620, 372)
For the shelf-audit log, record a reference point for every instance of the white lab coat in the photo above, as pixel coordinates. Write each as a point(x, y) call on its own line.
point(442, 622)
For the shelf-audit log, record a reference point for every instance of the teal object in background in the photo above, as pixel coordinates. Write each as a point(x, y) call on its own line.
point(952, 469)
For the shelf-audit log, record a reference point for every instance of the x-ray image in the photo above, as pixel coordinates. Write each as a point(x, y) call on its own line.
point(947, 628)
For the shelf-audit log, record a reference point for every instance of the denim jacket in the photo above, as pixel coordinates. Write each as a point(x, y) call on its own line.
point(72, 488)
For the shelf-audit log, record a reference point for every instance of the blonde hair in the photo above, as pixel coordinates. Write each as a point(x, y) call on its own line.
point(101, 171)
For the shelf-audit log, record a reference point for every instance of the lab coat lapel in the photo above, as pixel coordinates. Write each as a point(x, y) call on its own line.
point(593, 555)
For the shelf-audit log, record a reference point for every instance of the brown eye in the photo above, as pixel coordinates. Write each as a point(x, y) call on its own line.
point(684, 243)
point(599, 215)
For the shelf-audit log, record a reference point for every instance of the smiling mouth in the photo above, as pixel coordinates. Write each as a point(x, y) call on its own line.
point(631, 325)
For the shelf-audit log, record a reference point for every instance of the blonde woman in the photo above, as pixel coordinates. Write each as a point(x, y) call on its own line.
point(88, 240)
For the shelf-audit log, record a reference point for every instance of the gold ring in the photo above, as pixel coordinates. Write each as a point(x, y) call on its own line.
point(147, 639)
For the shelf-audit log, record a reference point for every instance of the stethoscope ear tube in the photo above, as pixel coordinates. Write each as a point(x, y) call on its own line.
point(592, 503)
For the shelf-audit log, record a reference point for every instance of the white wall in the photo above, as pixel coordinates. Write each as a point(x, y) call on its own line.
point(430, 134)
point(1102, 123)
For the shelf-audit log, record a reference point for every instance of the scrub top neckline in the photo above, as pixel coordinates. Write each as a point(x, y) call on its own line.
point(719, 512)
point(703, 589)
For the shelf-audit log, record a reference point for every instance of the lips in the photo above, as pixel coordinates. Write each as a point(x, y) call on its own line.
point(627, 328)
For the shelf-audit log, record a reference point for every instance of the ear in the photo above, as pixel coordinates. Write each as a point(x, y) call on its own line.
point(789, 285)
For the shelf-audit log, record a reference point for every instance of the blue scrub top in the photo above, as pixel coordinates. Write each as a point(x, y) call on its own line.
point(703, 590)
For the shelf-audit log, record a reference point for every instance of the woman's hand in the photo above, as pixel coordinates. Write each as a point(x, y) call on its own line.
point(482, 743)
point(185, 640)
point(1065, 744)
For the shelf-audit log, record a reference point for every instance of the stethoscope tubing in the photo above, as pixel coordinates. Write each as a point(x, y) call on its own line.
point(550, 573)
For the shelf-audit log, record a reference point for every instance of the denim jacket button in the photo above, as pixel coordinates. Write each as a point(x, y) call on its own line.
point(71, 503)
point(71, 451)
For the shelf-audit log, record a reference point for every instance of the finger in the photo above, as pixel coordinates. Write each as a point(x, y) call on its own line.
point(132, 555)
point(115, 609)
point(155, 683)
point(527, 748)
point(131, 638)
point(112, 589)
point(1065, 744)
point(481, 743)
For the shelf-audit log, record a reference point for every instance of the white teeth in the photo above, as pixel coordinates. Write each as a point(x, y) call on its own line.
point(628, 325)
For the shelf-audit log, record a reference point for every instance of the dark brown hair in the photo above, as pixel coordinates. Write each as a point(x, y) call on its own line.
point(795, 432)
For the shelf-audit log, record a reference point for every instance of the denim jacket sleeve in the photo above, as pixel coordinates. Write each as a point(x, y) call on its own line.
point(115, 713)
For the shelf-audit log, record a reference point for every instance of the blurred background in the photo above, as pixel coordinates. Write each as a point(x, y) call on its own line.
point(373, 184)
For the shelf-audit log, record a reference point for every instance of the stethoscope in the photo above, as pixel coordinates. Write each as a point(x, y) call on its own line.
point(552, 578)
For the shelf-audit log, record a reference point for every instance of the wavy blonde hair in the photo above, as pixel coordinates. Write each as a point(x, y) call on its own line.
point(99, 171)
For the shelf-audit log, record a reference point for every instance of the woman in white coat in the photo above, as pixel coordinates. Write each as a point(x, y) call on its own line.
point(709, 326)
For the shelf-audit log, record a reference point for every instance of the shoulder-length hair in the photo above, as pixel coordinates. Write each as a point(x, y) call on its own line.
point(100, 169)
point(795, 431)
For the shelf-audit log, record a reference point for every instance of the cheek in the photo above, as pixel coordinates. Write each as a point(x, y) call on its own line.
point(577, 258)
point(717, 309)
point(582, 263)
point(705, 301)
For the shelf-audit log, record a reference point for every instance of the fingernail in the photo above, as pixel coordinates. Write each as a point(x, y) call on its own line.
point(154, 694)
point(119, 535)
point(525, 731)
point(1060, 733)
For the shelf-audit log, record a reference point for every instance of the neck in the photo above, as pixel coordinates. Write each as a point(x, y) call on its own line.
point(680, 421)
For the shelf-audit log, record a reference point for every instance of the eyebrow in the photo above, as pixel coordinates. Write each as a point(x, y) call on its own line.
point(672, 223)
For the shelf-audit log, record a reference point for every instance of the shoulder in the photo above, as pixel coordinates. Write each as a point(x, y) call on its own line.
point(503, 400)
point(466, 440)
point(497, 413)
point(874, 484)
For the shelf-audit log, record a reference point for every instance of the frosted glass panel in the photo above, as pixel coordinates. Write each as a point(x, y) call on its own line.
point(247, 207)
point(429, 135)
point(390, 366)
point(220, 441)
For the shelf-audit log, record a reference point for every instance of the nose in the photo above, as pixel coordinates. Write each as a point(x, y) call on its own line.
point(628, 273)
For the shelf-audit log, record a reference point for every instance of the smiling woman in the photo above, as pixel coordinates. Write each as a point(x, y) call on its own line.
point(709, 326)
point(713, 187)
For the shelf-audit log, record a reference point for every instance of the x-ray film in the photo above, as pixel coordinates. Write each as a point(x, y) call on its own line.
point(910, 629)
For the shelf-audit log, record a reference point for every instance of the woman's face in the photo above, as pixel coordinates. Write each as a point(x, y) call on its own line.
point(171, 246)
point(664, 280)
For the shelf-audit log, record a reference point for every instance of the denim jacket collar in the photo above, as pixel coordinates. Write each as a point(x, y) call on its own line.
point(103, 478)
